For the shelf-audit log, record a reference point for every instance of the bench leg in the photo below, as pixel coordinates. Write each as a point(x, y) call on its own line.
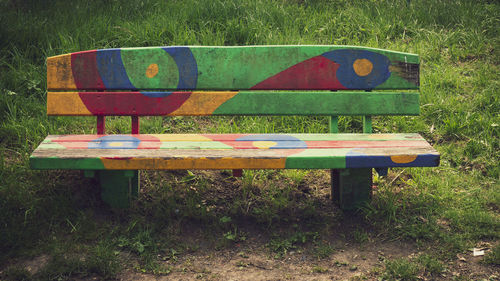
point(351, 187)
point(118, 187)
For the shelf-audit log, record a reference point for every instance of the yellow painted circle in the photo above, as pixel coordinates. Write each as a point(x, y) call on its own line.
point(116, 144)
point(403, 159)
point(362, 67)
point(152, 70)
point(264, 144)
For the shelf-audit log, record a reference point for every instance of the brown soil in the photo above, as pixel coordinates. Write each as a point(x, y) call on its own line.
point(251, 259)
point(351, 262)
point(256, 263)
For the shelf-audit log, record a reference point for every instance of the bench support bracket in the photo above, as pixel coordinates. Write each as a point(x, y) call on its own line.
point(351, 187)
point(119, 187)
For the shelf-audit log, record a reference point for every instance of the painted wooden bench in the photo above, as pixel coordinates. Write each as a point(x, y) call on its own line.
point(252, 80)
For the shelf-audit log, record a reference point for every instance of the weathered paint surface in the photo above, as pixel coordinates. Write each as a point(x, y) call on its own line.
point(233, 151)
point(234, 68)
point(233, 103)
point(352, 187)
point(118, 188)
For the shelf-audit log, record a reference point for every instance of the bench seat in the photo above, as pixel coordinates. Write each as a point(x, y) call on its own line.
point(233, 151)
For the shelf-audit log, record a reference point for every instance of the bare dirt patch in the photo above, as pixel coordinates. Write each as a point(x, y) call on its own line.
point(34, 265)
point(255, 262)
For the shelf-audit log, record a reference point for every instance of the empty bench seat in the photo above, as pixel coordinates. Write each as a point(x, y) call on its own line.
point(233, 151)
point(253, 80)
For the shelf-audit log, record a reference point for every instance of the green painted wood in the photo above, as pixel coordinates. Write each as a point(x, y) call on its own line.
point(367, 124)
point(232, 68)
point(317, 159)
point(136, 62)
point(54, 163)
point(89, 173)
point(321, 103)
point(118, 188)
point(251, 65)
point(334, 124)
point(353, 187)
point(334, 173)
point(244, 68)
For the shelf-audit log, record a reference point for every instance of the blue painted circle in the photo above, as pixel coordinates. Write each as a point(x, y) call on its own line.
point(348, 77)
point(186, 63)
point(110, 142)
point(112, 70)
point(114, 75)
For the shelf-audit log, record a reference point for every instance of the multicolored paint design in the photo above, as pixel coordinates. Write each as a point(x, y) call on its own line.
point(160, 80)
point(233, 68)
point(233, 103)
point(230, 81)
point(233, 151)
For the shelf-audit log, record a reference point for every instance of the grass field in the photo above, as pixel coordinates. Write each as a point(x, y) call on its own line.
point(441, 212)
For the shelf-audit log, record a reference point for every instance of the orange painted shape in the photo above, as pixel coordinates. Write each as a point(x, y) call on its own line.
point(362, 67)
point(180, 163)
point(403, 159)
point(203, 103)
point(66, 103)
point(59, 73)
point(152, 70)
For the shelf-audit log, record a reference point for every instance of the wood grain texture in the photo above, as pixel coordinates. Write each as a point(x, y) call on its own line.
point(234, 68)
point(236, 151)
point(232, 137)
point(59, 73)
point(101, 124)
point(352, 187)
point(233, 103)
point(239, 81)
point(135, 124)
point(161, 159)
point(231, 141)
point(367, 124)
point(333, 124)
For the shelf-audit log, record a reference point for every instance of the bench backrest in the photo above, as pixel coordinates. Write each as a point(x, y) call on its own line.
point(250, 80)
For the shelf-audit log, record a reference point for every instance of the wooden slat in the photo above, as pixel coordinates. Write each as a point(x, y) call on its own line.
point(135, 124)
point(152, 159)
point(367, 124)
point(101, 124)
point(241, 144)
point(234, 68)
point(333, 124)
point(232, 137)
point(232, 151)
point(233, 103)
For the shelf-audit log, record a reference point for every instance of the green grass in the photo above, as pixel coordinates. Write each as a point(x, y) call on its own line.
point(449, 208)
point(493, 257)
point(400, 269)
point(405, 269)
